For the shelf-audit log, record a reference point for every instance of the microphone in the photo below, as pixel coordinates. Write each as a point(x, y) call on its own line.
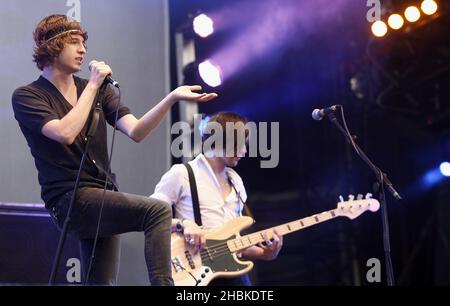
point(318, 114)
point(108, 79)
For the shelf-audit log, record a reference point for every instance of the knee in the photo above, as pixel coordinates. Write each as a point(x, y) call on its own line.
point(162, 208)
point(166, 209)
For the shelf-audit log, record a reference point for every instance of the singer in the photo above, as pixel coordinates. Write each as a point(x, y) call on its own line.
point(54, 114)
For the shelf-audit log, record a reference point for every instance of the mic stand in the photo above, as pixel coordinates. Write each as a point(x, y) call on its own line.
point(90, 133)
point(383, 181)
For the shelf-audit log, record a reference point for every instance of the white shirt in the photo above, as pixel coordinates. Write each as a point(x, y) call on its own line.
point(174, 188)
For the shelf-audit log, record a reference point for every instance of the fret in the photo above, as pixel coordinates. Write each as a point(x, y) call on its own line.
point(255, 238)
point(262, 236)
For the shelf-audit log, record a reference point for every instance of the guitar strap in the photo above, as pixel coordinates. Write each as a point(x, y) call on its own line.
point(247, 211)
point(194, 195)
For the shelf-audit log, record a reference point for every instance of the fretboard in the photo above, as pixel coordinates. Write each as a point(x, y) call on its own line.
point(249, 240)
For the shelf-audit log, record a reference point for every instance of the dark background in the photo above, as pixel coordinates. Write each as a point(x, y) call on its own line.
point(399, 110)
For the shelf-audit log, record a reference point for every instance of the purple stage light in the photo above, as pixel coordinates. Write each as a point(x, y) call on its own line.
point(210, 73)
point(203, 25)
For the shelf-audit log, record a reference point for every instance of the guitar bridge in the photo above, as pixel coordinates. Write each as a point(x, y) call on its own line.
point(177, 264)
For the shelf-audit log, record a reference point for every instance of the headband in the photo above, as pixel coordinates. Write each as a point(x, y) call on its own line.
point(60, 34)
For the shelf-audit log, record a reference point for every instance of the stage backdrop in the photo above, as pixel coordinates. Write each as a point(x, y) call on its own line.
point(132, 36)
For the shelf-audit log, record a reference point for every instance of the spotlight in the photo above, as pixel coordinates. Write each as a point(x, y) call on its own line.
point(203, 25)
point(395, 21)
point(379, 28)
point(445, 168)
point(429, 7)
point(412, 14)
point(210, 73)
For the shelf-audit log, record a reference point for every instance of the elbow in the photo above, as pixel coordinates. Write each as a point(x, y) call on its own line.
point(54, 131)
point(67, 140)
point(135, 137)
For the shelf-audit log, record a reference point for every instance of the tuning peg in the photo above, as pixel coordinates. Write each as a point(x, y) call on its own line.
point(359, 197)
point(351, 197)
point(368, 195)
point(341, 198)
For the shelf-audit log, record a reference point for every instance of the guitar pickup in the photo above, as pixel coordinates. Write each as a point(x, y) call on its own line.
point(189, 259)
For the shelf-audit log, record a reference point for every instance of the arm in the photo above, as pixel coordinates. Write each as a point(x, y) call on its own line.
point(139, 129)
point(170, 189)
point(65, 130)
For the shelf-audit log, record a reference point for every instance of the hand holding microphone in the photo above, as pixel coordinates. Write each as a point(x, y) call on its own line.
point(100, 72)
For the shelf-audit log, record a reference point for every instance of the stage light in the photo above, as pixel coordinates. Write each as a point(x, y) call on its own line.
point(395, 21)
point(210, 73)
point(445, 169)
point(429, 7)
point(412, 14)
point(379, 28)
point(203, 25)
point(431, 178)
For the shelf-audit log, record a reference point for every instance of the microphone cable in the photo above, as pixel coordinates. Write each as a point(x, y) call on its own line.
point(108, 176)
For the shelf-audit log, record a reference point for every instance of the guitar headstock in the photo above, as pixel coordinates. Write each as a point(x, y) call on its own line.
point(354, 208)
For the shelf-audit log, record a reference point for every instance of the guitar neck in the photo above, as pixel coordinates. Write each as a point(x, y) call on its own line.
point(243, 242)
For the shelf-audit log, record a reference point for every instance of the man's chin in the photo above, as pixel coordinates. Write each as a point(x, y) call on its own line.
point(75, 68)
point(233, 162)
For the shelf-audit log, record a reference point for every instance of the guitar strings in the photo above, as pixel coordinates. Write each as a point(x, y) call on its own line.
point(222, 247)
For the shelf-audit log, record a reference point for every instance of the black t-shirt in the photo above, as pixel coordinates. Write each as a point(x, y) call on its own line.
point(57, 164)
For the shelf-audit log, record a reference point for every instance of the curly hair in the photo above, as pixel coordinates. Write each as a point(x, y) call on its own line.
point(50, 36)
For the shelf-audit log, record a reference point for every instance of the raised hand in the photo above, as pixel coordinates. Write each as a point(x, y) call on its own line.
point(99, 71)
point(187, 93)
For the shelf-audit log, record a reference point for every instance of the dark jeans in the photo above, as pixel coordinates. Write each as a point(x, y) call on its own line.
point(122, 213)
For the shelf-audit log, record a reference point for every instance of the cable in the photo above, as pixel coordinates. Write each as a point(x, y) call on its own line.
point(108, 176)
point(192, 275)
point(90, 133)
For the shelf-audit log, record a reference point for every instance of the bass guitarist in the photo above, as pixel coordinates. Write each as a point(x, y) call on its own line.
point(220, 193)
